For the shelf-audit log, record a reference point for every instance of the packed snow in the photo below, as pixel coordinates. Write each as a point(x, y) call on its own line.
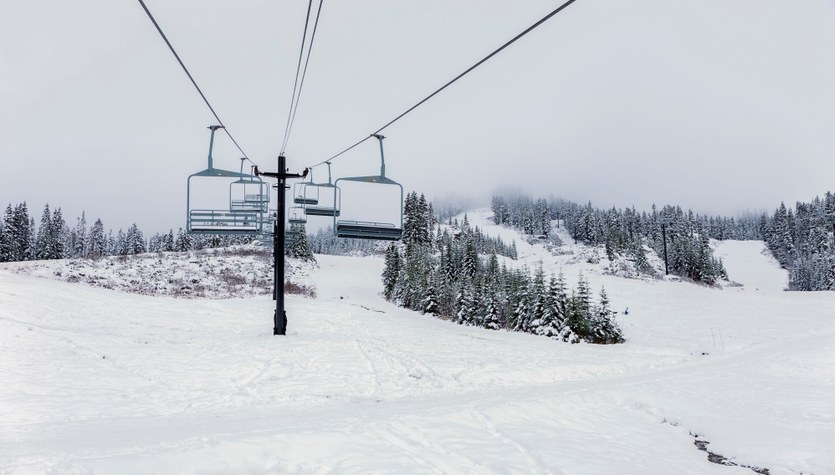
point(751, 264)
point(97, 380)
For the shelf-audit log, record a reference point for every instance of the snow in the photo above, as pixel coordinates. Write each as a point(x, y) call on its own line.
point(96, 380)
point(751, 264)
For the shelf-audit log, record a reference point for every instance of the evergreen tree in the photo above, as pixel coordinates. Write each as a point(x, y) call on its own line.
point(579, 309)
point(168, 241)
point(183, 242)
point(490, 315)
point(98, 243)
point(43, 242)
point(299, 247)
point(538, 303)
point(134, 241)
point(81, 243)
point(521, 313)
point(430, 302)
point(470, 260)
point(464, 303)
point(603, 328)
point(391, 271)
point(57, 235)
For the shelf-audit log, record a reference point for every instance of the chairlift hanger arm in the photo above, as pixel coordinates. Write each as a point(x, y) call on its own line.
point(280, 175)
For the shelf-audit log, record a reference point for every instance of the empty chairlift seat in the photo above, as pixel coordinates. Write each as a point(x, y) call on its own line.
point(321, 191)
point(208, 221)
point(304, 195)
point(249, 194)
point(244, 211)
point(368, 229)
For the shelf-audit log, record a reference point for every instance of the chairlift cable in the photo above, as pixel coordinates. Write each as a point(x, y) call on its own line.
point(296, 80)
point(304, 75)
point(453, 80)
point(200, 91)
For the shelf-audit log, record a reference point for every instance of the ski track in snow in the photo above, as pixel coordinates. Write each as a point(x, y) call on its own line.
point(360, 385)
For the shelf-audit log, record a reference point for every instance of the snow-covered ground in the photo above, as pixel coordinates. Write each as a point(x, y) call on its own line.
point(94, 380)
point(236, 271)
point(751, 264)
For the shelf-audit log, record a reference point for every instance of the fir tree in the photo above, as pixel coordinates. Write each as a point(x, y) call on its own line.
point(391, 271)
point(98, 244)
point(43, 242)
point(183, 242)
point(430, 301)
point(603, 328)
point(299, 248)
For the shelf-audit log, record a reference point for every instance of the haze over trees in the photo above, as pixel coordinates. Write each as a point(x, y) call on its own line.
point(453, 272)
point(799, 237)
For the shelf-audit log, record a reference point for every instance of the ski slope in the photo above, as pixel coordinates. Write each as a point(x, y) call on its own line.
point(751, 264)
point(99, 381)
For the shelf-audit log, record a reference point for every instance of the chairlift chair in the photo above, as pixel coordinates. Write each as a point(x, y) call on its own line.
point(302, 195)
point(370, 229)
point(319, 209)
point(243, 222)
point(296, 215)
point(249, 194)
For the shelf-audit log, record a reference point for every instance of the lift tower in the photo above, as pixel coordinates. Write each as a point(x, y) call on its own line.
point(280, 317)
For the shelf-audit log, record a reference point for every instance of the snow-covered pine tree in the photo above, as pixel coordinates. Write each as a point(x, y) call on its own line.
point(521, 313)
point(300, 248)
point(29, 252)
point(603, 328)
point(391, 271)
point(430, 301)
point(183, 242)
point(538, 300)
point(82, 239)
point(122, 244)
point(57, 235)
point(579, 309)
point(470, 262)
point(550, 322)
point(98, 243)
point(464, 303)
point(477, 317)
point(135, 241)
point(168, 241)
point(4, 246)
point(491, 318)
point(43, 244)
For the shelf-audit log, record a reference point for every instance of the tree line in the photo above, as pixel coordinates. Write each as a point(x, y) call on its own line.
point(629, 233)
point(53, 238)
point(801, 239)
point(455, 273)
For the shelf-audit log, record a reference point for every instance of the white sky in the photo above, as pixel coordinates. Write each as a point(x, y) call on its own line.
point(719, 105)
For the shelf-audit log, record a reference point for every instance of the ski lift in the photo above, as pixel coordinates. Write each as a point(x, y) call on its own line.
point(296, 215)
point(249, 194)
point(318, 209)
point(304, 196)
point(370, 229)
point(245, 222)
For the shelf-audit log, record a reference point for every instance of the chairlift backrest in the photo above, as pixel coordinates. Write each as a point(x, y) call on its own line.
point(370, 229)
point(323, 209)
point(302, 195)
point(249, 193)
point(245, 220)
point(296, 215)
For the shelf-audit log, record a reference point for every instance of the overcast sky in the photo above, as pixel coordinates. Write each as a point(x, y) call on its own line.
point(719, 105)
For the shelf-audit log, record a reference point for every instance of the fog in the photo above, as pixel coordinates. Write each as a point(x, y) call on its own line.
point(723, 106)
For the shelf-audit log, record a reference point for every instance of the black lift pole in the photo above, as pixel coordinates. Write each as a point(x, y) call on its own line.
point(280, 317)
